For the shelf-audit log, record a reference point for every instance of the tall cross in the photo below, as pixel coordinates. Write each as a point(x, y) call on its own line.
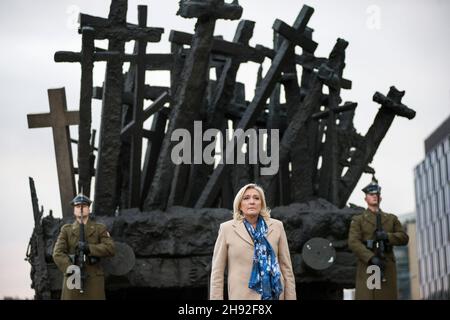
point(59, 119)
point(391, 106)
point(117, 31)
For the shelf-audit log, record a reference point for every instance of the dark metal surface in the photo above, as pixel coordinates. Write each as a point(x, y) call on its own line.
point(122, 262)
point(188, 98)
point(318, 253)
point(264, 90)
point(106, 178)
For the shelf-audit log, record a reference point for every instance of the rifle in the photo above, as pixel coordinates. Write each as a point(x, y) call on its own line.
point(80, 255)
point(380, 247)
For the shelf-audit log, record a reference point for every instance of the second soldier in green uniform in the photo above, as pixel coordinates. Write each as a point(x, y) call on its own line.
point(365, 240)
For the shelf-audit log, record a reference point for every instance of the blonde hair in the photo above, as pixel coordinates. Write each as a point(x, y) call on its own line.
point(237, 214)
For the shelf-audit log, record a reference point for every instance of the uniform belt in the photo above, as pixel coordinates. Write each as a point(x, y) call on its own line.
point(91, 260)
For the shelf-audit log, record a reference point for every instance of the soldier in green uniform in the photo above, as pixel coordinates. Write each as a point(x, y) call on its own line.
point(365, 240)
point(70, 250)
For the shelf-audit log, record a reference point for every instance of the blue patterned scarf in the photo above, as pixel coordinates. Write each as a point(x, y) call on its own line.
point(265, 277)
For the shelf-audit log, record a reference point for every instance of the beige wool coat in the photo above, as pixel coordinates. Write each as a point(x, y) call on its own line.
point(234, 251)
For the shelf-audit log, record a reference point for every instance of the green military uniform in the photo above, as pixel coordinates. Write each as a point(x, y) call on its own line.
point(362, 229)
point(100, 245)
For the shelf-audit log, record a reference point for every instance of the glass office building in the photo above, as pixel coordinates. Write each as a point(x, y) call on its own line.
point(403, 278)
point(404, 259)
point(432, 193)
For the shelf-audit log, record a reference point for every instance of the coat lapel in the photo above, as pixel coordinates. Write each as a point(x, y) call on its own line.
point(239, 228)
point(242, 232)
point(269, 227)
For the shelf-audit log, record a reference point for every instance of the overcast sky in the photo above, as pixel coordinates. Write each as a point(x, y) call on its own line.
point(403, 43)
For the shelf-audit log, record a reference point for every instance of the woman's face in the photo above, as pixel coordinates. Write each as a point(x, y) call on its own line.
point(251, 203)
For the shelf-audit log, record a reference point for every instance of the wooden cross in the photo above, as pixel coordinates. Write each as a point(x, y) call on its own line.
point(391, 106)
point(239, 50)
point(117, 31)
point(138, 119)
point(280, 193)
point(59, 119)
point(329, 175)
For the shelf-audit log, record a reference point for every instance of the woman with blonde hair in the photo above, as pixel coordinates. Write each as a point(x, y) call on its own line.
point(253, 248)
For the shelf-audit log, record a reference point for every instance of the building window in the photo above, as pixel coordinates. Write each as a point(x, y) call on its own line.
point(434, 212)
point(447, 198)
point(417, 188)
point(429, 268)
point(445, 285)
point(443, 169)
point(428, 216)
point(431, 238)
point(437, 175)
point(430, 187)
point(447, 255)
point(438, 235)
point(426, 243)
point(425, 291)
point(444, 229)
point(435, 265)
point(432, 287)
point(423, 187)
point(442, 262)
point(440, 203)
point(418, 240)
point(418, 214)
point(438, 288)
point(422, 277)
point(448, 166)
